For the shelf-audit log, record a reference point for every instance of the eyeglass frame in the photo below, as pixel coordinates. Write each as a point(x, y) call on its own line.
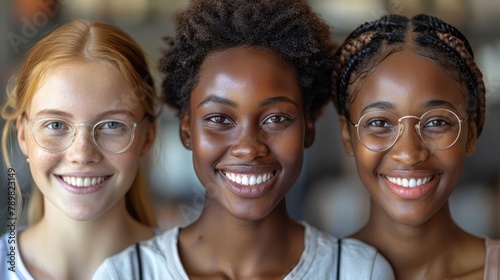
point(401, 128)
point(75, 132)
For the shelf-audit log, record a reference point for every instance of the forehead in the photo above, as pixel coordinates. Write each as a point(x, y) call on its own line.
point(83, 85)
point(408, 80)
point(247, 70)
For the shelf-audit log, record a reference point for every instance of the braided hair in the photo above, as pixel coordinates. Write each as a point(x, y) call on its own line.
point(290, 28)
point(428, 36)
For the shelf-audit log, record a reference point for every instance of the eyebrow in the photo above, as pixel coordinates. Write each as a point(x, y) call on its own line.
point(217, 99)
point(276, 100)
point(266, 102)
point(384, 105)
point(435, 103)
point(99, 116)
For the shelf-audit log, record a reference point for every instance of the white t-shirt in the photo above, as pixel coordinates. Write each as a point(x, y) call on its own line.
point(11, 264)
point(160, 260)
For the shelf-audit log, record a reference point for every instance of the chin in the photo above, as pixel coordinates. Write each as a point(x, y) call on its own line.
point(250, 213)
point(82, 214)
point(410, 218)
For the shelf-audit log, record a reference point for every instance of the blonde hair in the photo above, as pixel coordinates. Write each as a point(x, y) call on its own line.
point(91, 41)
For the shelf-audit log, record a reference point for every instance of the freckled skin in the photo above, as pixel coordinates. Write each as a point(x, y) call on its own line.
point(87, 227)
point(418, 236)
point(83, 93)
point(246, 115)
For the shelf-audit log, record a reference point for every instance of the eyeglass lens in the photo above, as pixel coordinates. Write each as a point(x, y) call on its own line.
point(57, 135)
point(379, 130)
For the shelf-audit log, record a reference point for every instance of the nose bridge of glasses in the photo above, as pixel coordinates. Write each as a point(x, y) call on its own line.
point(408, 117)
point(401, 127)
point(77, 129)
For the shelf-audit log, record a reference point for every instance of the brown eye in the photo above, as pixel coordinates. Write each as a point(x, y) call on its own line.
point(219, 120)
point(379, 123)
point(276, 119)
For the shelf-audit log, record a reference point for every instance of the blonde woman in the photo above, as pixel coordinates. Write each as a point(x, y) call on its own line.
point(84, 107)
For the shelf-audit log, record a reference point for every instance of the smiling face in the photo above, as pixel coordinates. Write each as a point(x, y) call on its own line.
point(408, 84)
point(247, 130)
point(83, 181)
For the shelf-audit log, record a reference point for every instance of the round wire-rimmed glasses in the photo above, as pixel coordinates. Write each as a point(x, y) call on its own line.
point(379, 130)
point(56, 135)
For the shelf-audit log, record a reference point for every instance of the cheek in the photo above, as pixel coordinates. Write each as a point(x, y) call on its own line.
point(207, 150)
point(41, 165)
point(452, 164)
point(367, 163)
point(288, 148)
point(129, 171)
point(42, 160)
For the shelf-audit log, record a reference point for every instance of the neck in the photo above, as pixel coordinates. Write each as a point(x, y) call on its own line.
point(61, 247)
point(271, 246)
point(429, 250)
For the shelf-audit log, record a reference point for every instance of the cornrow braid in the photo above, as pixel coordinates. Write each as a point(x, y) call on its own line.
point(289, 28)
point(439, 25)
point(425, 35)
point(474, 78)
point(359, 48)
point(459, 52)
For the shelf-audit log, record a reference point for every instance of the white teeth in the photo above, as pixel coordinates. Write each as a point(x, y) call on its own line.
point(409, 183)
point(248, 180)
point(405, 183)
point(83, 182)
point(253, 180)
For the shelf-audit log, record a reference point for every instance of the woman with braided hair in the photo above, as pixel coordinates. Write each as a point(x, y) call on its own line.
point(248, 79)
point(411, 105)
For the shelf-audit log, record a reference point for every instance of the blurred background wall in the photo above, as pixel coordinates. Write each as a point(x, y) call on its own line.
point(328, 193)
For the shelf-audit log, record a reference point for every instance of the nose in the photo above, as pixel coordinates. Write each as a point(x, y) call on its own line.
point(251, 144)
point(409, 147)
point(83, 150)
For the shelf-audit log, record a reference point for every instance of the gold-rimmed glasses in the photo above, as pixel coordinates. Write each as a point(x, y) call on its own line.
point(379, 130)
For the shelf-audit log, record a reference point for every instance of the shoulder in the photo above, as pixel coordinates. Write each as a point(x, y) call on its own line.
point(8, 258)
point(324, 252)
point(321, 238)
point(359, 258)
point(492, 261)
point(11, 265)
point(154, 256)
point(318, 258)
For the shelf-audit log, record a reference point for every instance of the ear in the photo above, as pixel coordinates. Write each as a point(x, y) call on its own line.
point(21, 135)
point(185, 131)
point(346, 136)
point(310, 133)
point(471, 139)
point(150, 138)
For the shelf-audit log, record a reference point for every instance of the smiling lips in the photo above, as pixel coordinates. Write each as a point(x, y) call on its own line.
point(411, 187)
point(249, 179)
point(83, 182)
point(409, 182)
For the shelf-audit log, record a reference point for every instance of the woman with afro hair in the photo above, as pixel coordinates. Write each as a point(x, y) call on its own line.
point(411, 104)
point(248, 80)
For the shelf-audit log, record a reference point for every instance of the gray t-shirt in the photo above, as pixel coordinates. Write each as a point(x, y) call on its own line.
point(160, 260)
